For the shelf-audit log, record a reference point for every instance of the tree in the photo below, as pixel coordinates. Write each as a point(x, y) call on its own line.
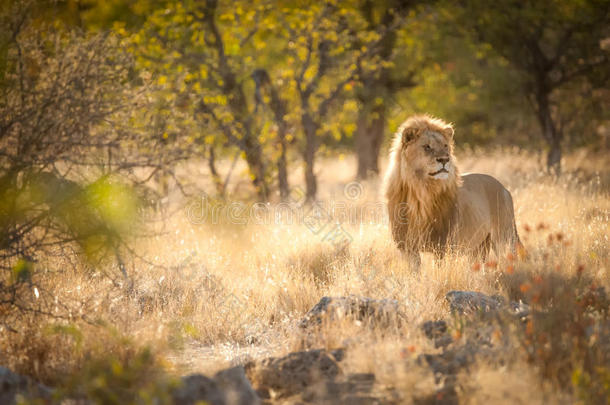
point(379, 85)
point(552, 44)
point(327, 47)
point(201, 56)
point(278, 106)
point(253, 76)
point(68, 159)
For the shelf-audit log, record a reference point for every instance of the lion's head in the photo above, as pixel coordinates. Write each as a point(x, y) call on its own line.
point(422, 171)
point(423, 146)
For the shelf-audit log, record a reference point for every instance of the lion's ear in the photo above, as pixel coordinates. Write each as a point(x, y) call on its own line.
point(448, 132)
point(409, 134)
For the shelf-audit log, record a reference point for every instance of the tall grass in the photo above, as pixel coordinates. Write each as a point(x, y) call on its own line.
point(208, 294)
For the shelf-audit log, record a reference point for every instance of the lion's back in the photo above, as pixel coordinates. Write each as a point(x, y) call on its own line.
point(485, 207)
point(488, 188)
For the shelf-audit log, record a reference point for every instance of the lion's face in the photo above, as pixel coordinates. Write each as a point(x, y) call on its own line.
point(428, 156)
point(421, 160)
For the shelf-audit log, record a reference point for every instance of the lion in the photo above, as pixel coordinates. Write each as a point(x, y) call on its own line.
point(432, 208)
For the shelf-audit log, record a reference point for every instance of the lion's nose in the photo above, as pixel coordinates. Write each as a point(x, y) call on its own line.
point(442, 160)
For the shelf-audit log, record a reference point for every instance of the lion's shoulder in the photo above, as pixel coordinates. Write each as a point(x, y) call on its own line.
point(482, 194)
point(478, 182)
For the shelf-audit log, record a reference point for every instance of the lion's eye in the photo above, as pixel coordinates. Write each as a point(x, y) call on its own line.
point(427, 147)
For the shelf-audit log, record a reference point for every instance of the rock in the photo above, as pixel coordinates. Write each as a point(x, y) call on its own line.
point(338, 354)
point(353, 389)
point(360, 379)
point(364, 400)
point(443, 341)
point(438, 332)
point(13, 386)
point(291, 374)
point(446, 366)
point(472, 302)
point(315, 377)
point(362, 309)
point(230, 386)
point(236, 387)
point(443, 396)
point(476, 341)
point(519, 309)
point(197, 388)
point(434, 329)
point(450, 362)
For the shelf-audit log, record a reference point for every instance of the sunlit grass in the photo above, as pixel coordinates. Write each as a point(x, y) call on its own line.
point(212, 293)
point(281, 270)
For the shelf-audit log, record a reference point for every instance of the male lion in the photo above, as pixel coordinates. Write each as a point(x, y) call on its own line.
point(433, 208)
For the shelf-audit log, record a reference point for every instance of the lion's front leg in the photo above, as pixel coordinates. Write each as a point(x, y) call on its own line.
point(408, 253)
point(413, 258)
point(400, 234)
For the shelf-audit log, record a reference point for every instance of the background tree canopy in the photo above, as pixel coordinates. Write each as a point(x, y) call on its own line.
point(280, 81)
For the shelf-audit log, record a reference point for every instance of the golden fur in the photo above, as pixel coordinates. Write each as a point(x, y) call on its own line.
point(432, 207)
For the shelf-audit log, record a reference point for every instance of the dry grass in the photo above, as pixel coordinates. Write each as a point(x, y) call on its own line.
point(214, 293)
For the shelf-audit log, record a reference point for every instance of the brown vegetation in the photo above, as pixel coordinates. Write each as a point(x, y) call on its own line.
point(212, 293)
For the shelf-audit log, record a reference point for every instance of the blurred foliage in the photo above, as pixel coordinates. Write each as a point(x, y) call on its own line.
point(56, 99)
point(556, 49)
point(272, 80)
point(224, 74)
point(566, 336)
point(97, 365)
point(70, 149)
point(467, 84)
point(136, 378)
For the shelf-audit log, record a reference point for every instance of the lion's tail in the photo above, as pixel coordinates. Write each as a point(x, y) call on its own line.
point(519, 247)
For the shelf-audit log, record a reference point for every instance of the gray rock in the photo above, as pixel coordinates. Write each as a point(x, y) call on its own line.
point(438, 332)
point(443, 396)
point(236, 386)
point(230, 386)
point(483, 315)
point(378, 312)
point(450, 362)
point(472, 302)
point(314, 377)
point(519, 309)
point(291, 374)
point(197, 388)
point(434, 329)
point(13, 386)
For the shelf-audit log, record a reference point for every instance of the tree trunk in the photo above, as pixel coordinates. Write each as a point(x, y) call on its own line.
point(369, 136)
point(218, 183)
point(550, 133)
point(376, 88)
point(553, 161)
point(257, 168)
point(278, 107)
point(282, 170)
point(311, 184)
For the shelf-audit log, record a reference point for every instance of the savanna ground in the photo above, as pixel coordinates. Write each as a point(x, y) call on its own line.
point(207, 295)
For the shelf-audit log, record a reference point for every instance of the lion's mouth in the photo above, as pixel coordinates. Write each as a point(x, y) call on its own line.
point(443, 170)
